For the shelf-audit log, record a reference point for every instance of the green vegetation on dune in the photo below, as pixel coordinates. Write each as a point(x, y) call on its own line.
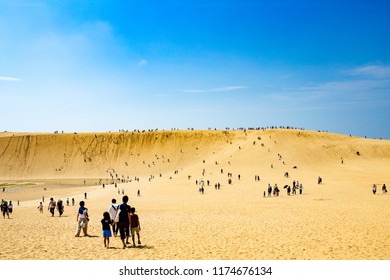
point(16, 184)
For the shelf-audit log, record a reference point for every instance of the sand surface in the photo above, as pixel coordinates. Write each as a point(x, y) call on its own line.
point(339, 219)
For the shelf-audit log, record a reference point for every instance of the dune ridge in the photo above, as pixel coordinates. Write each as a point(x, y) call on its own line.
point(90, 155)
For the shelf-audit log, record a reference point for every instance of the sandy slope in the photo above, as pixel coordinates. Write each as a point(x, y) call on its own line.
point(340, 219)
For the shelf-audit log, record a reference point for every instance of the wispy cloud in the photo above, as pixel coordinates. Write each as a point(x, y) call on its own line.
point(142, 62)
point(361, 85)
point(377, 71)
point(221, 89)
point(10, 79)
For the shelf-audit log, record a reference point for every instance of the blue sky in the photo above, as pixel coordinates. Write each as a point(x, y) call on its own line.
point(110, 65)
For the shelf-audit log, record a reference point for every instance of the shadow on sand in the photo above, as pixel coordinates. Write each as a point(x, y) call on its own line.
point(131, 247)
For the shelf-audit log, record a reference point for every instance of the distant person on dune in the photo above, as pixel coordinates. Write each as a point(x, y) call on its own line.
point(60, 207)
point(276, 190)
point(374, 189)
point(269, 190)
point(4, 208)
point(384, 189)
point(52, 206)
point(10, 207)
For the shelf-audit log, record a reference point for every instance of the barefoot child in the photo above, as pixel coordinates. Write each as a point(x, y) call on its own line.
point(106, 226)
point(135, 226)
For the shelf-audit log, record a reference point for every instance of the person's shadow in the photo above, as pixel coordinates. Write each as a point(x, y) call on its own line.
point(91, 236)
point(137, 247)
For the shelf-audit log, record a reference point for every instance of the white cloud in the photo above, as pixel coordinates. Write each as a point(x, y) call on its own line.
point(12, 79)
point(221, 89)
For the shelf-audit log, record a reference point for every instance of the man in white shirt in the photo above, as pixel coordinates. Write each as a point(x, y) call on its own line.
point(112, 209)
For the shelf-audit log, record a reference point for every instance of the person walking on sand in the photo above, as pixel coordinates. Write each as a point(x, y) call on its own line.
point(60, 207)
point(52, 206)
point(4, 208)
point(82, 220)
point(123, 220)
point(106, 223)
point(374, 189)
point(112, 209)
point(384, 189)
point(135, 226)
point(294, 190)
point(10, 207)
point(269, 190)
point(300, 188)
point(276, 190)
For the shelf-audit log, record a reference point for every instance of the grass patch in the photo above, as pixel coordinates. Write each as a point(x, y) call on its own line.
point(16, 184)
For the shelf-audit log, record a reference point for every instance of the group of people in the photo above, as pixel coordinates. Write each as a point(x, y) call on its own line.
point(6, 208)
point(290, 191)
point(275, 191)
point(59, 205)
point(384, 189)
point(118, 218)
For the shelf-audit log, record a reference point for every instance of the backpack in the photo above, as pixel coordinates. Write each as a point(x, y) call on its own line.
point(81, 210)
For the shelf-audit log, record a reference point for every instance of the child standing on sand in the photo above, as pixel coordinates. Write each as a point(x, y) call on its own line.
point(134, 226)
point(106, 223)
point(40, 207)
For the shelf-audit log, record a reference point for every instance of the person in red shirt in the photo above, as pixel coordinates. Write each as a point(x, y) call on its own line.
point(135, 226)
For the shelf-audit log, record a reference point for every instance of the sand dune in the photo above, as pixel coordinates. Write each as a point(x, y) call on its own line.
point(339, 219)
